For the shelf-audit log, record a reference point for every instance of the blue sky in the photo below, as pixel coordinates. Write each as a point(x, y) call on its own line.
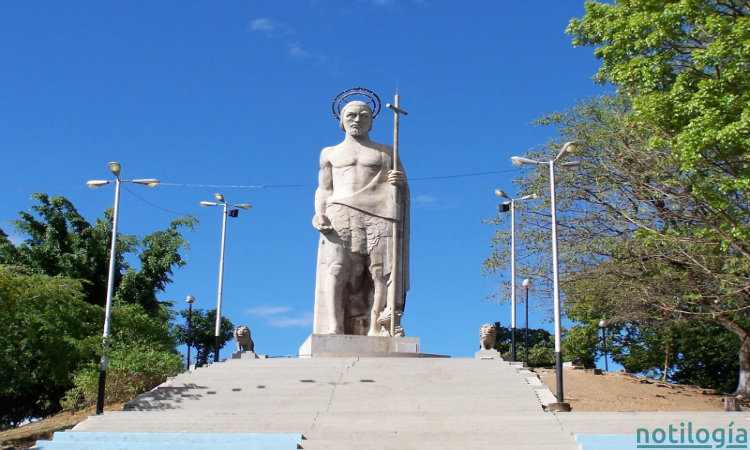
point(228, 96)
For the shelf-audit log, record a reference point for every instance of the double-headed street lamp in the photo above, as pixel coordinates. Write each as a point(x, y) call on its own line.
point(520, 160)
point(230, 213)
point(150, 182)
point(190, 300)
point(505, 207)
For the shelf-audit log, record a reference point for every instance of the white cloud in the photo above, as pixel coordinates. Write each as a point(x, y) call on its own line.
point(296, 51)
point(269, 27)
point(424, 200)
point(281, 316)
point(301, 321)
point(265, 311)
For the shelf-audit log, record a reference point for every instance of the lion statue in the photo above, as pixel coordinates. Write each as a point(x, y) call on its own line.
point(487, 336)
point(244, 341)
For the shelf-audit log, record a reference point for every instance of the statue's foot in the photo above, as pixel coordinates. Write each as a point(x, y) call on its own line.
point(373, 332)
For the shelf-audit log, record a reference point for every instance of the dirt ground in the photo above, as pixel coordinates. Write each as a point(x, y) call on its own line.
point(26, 435)
point(619, 391)
point(584, 390)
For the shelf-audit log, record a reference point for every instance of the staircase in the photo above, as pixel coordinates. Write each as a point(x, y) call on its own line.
point(332, 403)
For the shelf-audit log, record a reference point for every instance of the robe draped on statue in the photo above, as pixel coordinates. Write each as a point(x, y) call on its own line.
point(363, 224)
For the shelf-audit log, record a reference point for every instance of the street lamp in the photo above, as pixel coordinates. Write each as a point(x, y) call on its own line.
point(519, 160)
point(504, 207)
point(114, 167)
point(230, 213)
point(527, 285)
point(603, 324)
point(190, 300)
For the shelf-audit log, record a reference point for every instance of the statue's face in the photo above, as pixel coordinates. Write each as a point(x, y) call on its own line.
point(356, 119)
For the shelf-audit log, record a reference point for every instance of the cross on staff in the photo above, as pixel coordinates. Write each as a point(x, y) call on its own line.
point(395, 266)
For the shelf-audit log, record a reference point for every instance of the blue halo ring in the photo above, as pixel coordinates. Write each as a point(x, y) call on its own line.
point(341, 100)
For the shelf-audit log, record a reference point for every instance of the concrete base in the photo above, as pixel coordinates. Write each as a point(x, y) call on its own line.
point(340, 345)
point(558, 407)
point(244, 355)
point(484, 353)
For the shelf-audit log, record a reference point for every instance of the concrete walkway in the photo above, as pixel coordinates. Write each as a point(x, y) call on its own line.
point(375, 403)
point(351, 403)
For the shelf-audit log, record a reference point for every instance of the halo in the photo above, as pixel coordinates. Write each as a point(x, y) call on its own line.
point(342, 99)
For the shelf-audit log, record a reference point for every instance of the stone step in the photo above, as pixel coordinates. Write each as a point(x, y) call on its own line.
point(351, 402)
point(169, 441)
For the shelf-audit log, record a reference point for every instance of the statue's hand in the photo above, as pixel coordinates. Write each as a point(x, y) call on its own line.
point(322, 223)
point(396, 178)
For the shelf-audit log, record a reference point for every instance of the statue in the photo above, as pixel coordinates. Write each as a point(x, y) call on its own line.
point(487, 336)
point(243, 339)
point(360, 204)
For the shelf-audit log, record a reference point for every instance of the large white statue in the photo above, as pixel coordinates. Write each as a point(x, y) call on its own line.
point(359, 199)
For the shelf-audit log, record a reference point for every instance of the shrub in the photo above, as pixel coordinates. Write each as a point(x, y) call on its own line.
point(132, 370)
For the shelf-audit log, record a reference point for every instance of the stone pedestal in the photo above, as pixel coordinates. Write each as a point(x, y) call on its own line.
point(321, 345)
point(244, 355)
point(484, 353)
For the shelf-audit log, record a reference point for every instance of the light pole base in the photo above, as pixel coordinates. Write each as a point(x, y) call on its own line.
point(558, 407)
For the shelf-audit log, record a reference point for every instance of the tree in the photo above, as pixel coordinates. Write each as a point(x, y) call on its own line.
point(203, 333)
point(541, 345)
point(59, 241)
point(52, 287)
point(633, 242)
point(684, 66)
point(48, 330)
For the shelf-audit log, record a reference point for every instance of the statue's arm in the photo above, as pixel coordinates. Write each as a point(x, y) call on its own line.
point(324, 191)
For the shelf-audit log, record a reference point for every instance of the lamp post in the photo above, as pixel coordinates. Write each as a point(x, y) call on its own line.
point(115, 168)
point(230, 213)
point(519, 160)
point(527, 285)
point(603, 324)
point(190, 300)
point(504, 207)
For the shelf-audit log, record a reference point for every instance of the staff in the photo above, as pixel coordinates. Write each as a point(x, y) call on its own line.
point(395, 262)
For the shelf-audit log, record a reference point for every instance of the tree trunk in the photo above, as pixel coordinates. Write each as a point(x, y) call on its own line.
point(743, 385)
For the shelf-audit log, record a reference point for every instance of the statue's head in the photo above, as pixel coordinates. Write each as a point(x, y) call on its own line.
point(356, 118)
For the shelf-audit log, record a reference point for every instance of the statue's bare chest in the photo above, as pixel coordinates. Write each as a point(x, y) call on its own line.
point(358, 157)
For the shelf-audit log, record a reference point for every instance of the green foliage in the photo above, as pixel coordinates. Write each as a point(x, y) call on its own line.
point(204, 334)
point(52, 309)
point(133, 368)
point(636, 244)
point(48, 330)
point(59, 241)
point(684, 66)
point(698, 353)
point(541, 345)
point(582, 344)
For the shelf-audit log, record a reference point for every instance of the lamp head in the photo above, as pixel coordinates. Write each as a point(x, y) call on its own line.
point(190, 299)
point(93, 184)
point(500, 193)
point(244, 206)
point(604, 323)
point(150, 182)
point(569, 147)
point(527, 282)
point(204, 204)
point(520, 160)
point(219, 197)
point(115, 168)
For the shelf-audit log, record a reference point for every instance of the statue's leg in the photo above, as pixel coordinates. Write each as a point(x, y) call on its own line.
point(334, 288)
point(380, 296)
